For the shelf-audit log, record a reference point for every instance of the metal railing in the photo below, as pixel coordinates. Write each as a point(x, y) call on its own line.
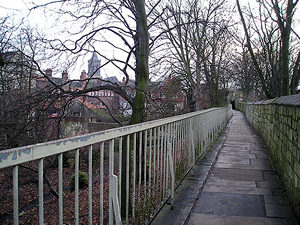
point(152, 157)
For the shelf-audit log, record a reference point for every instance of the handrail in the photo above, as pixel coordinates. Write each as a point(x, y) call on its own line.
point(154, 157)
point(28, 153)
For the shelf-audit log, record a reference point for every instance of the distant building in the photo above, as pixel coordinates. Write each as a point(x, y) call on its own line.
point(94, 66)
point(17, 72)
point(165, 98)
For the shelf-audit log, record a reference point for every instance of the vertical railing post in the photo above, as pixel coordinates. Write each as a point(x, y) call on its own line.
point(41, 191)
point(111, 170)
point(90, 185)
point(101, 181)
point(114, 206)
point(16, 194)
point(192, 147)
point(76, 186)
point(171, 168)
point(60, 187)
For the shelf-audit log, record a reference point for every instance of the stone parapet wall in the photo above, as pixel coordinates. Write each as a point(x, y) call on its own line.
point(277, 121)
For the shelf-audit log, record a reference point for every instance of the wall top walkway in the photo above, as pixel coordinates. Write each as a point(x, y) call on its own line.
point(240, 187)
point(293, 100)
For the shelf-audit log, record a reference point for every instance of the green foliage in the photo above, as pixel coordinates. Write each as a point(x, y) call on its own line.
point(83, 180)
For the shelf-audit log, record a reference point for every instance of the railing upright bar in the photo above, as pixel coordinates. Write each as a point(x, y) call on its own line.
point(134, 177)
point(175, 143)
point(172, 177)
point(166, 133)
point(76, 186)
point(60, 188)
point(101, 181)
point(90, 185)
point(167, 158)
point(120, 167)
point(198, 137)
point(186, 141)
point(16, 194)
point(154, 168)
point(145, 173)
point(201, 134)
point(205, 132)
point(165, 161)
point(140, 173)
point(158, 169)
point(181, 157)
point(178, 154)
point(41, 191)
point(173, 140)
point(161, 166)
point(192, 145)
point(150, 175)
point(111, 171)
point(127, 177)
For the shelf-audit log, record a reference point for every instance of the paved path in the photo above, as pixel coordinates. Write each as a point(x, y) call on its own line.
point(239, 188)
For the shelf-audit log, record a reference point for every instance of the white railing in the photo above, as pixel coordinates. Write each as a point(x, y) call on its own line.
point(154, 156)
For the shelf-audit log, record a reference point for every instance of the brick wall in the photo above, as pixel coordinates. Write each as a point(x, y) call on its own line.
point(277, 121)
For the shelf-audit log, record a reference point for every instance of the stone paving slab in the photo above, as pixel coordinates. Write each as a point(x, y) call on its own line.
point(235, 149)
point(229, 204)
point(237, 174)
point(258, 152)
point(268, 184)
point(259, 162)
point(242, 166)
point(218, 182)
point(235, 158)
point(238, 190)
point(238, 153)
point(278, 211)
point(209, 219)
point(275, 200)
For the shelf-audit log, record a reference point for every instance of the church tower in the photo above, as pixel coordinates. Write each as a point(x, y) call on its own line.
point(94, 66)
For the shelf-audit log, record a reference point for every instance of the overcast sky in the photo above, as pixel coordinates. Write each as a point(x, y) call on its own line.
point(19, 9)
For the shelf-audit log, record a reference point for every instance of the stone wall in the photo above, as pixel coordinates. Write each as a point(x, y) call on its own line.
point(99, 126)
point(277, 121)
point(73, 127)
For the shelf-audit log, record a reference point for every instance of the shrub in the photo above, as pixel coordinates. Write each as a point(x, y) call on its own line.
point(83, 180)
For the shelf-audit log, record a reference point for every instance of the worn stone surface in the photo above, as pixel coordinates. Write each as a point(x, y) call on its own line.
point(275, 200)
point(240, 187)
point(187, 192)
point(243, 166)
point(229, 204)
point(209, 219)
point(281, 211)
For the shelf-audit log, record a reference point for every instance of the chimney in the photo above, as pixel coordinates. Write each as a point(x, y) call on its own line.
point(49, 72)
point(83, 75)
point(65, 75)
point(123, 81)
point(82, 78)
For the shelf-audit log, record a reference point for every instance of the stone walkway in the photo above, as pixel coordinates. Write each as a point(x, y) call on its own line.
point(238, 188)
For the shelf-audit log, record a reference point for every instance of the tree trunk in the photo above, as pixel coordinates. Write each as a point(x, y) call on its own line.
point(249, 45)
point(296, 75)
point(141, 83)
point(285, 30)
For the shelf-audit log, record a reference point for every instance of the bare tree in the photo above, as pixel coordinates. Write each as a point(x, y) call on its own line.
point(199, 39)
point(273, 27)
